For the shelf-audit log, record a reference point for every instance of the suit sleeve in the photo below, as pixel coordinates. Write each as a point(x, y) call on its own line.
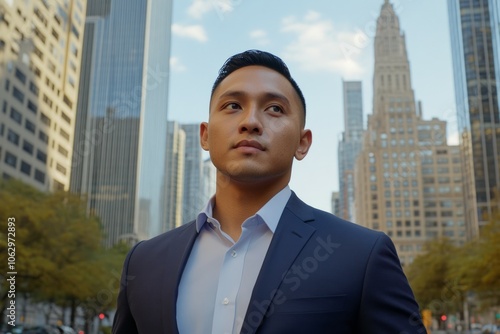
point(387, 303)
point(124, 322)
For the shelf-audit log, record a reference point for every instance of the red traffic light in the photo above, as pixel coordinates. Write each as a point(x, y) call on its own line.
point(444, 317)
point(102, 316)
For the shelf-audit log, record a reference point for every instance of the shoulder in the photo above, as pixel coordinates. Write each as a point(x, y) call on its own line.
point(164, 241)
point(325, 222)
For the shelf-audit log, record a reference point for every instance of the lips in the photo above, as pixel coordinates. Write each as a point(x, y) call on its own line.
point(250, 143)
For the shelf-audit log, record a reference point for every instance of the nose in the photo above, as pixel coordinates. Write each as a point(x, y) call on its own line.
point(251, 122)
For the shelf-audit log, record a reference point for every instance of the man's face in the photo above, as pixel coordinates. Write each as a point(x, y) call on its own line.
point(255, 127)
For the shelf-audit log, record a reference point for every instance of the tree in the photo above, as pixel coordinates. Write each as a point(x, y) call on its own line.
point(59, 253)
point(429, 277)
point(477, 266)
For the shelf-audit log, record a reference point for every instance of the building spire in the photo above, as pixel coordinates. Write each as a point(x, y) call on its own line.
point(392, 69)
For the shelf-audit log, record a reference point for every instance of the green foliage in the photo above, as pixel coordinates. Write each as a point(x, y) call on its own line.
point(429, 277)
point(59, 253)
point(444, 273)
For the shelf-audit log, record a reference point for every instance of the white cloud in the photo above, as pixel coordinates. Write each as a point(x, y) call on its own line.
point(319, 46)
point(176, 65)
point(196, 32)
point(201, 7)
point(260, 37)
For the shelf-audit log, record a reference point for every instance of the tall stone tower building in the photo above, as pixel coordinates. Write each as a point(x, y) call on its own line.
point(40, 57)
point(408, 180)
point(475, 41)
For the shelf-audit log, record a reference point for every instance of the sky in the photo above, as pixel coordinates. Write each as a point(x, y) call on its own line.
point(323, 42)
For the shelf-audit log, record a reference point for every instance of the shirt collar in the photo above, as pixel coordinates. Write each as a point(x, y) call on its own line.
point(270, 212)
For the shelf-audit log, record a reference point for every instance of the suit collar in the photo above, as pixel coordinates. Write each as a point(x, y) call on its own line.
point(176, 257)
point(291, 235)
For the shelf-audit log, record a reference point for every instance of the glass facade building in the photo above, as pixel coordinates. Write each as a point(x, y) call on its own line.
point(475, 39)
point(193, 197)
point(350, 146)
point(119, 153)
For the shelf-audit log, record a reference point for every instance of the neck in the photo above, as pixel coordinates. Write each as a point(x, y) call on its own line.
point(236, 201)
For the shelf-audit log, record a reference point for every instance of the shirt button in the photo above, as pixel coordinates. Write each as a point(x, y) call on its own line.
point(233, 253)
point(225, 301)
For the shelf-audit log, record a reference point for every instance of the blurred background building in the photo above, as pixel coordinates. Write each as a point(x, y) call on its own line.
point(475, 40)
point(119, 156)
point(193, 197)
point(40, 55)
point(408, 181)
point(350, 145)
point(174, 177)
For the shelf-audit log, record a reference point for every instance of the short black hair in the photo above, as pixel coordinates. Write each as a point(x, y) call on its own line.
point(258, 58)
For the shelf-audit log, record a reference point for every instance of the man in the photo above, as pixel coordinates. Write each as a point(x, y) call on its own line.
point(258, 259)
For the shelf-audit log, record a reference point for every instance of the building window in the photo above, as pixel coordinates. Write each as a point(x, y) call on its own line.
point(63, 151)
point(16, 116)
point(10, 159)
point(43, 137)
point(65, 118)
point(447, 214)
point(61, 168)
point(13, 137)
point(33, 88)
point(58, 185)
point(64, 134)
point(7, 85)
point(39, 176)
point(19, 95)
point(30, 126)
point(74, 49)
point(28, 147)
point(4, 107)
point(20, 75)
point(25, 168)
point(45, 119)
point(47, 100)
point(32, 107)
point(41, 156)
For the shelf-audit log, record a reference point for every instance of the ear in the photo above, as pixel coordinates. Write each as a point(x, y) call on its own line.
point(204, 136)
point(304, 144)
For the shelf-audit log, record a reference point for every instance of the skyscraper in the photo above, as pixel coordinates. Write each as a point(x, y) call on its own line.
point(349, 146)
point(475, 39)
point(174, 178)
point(121, 128)
point(408, 181)
point(40, 56)
point(193, 199)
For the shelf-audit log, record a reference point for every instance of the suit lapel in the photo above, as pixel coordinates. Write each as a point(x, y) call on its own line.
point(289, 238)
point(175, 257)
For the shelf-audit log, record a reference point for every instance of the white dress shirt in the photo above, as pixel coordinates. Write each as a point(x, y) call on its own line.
point(218, 280)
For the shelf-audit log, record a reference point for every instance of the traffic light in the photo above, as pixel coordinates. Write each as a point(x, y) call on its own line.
point(444, 317)
point(102, 316)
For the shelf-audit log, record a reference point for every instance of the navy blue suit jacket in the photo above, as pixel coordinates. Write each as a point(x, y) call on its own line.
point(321, 274)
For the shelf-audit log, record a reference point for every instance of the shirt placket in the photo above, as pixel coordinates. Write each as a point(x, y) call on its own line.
point(229, 284)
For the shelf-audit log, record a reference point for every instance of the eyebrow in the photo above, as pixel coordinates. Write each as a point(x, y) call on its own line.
point(266, 95)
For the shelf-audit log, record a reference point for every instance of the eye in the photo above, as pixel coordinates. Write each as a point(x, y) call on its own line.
point(232, 106)
point(275, 109)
